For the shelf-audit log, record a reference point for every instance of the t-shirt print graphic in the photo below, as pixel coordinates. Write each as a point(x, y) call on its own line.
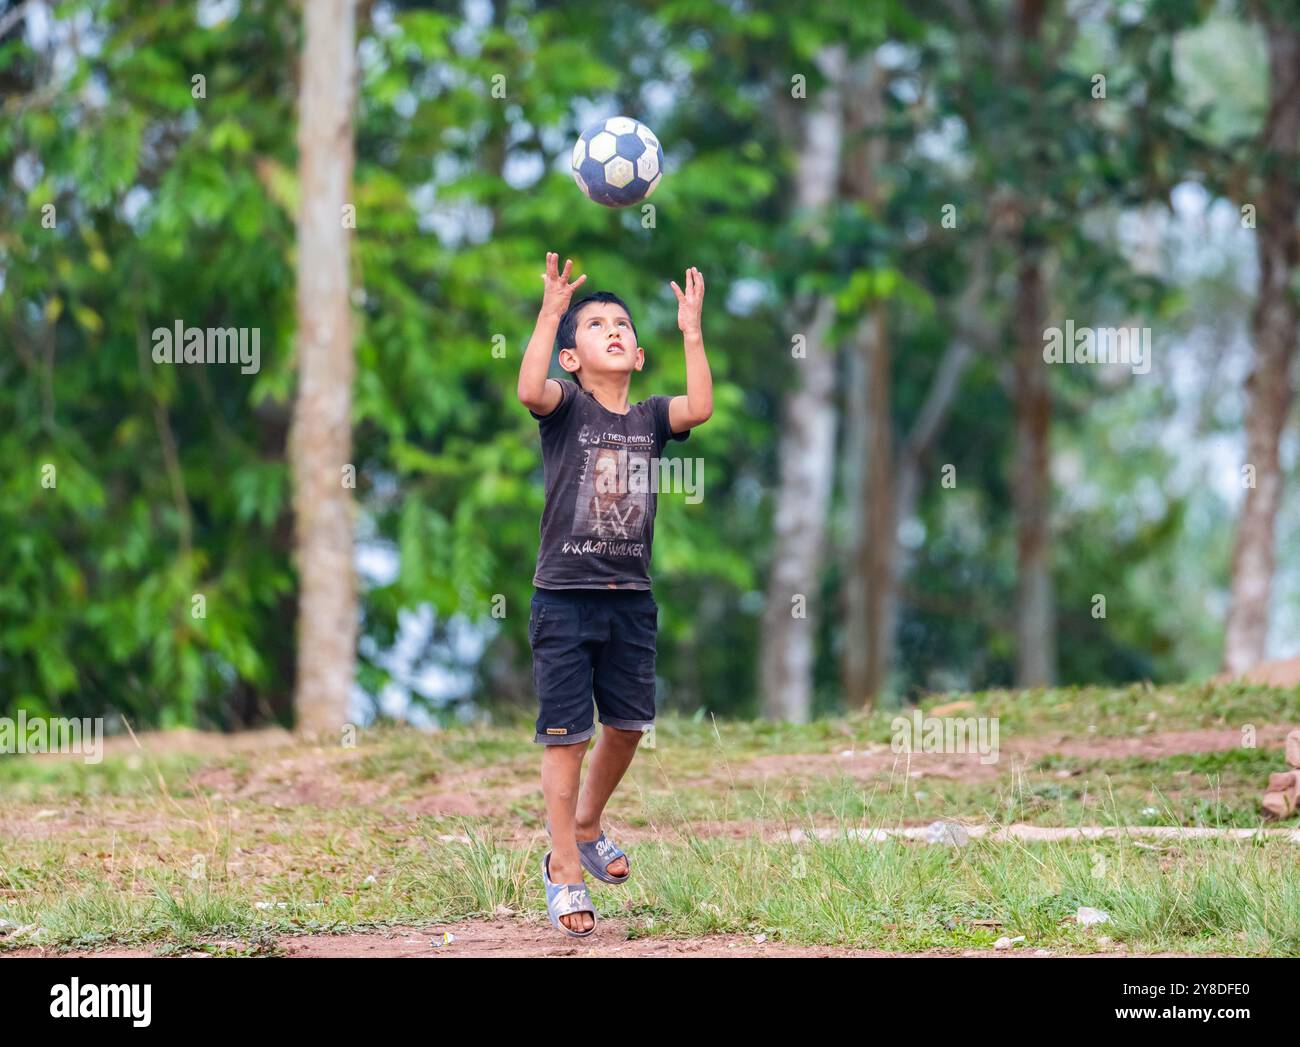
point(609, 505)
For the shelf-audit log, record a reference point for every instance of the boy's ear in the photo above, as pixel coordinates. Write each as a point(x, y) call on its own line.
point(572, 358)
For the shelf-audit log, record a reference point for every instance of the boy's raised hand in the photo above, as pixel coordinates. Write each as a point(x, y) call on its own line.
point(558, 290)
point(690, 303)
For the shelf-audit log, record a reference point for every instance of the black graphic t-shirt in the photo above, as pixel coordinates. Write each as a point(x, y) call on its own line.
point(599, 518)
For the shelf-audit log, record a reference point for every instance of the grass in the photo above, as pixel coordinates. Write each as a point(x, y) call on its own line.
point(220, 852)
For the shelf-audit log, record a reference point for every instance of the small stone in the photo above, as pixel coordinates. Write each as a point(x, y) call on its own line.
point(1004, 943)
point(1293, 748)
point(760, 938)
point(1278, 804)
point(1087, 916)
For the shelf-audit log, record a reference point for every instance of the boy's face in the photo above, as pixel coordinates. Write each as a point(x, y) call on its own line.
point(606, 342)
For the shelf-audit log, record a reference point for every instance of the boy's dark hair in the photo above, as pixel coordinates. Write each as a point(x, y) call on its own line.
point(566, 337)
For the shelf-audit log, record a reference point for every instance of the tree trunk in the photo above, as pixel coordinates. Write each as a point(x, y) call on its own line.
point(852, 532)
point(789, 627)
point(1035, 616)
point(1032, 496)
point(871, 581)
point(877, 555)
point(320, 439)
point(807, 450)
point(1275, 323)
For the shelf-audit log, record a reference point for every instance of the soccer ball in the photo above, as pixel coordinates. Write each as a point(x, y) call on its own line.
point(618, 162)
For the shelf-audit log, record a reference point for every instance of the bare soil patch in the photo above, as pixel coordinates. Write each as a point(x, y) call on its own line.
point(518, 937)
point(1015, 754)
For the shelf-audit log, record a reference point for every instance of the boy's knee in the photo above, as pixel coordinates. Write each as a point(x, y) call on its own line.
point(623, 736)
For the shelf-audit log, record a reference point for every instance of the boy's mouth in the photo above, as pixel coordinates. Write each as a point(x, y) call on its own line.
point(614, 347)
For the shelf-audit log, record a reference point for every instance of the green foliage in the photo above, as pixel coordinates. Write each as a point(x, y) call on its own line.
point(171, 480)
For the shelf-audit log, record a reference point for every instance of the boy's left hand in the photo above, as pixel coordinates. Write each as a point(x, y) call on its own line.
point(690, 303)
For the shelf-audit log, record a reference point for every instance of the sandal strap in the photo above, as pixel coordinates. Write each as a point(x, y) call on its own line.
point(607, 848)
point(602, 850)
point(567, 898)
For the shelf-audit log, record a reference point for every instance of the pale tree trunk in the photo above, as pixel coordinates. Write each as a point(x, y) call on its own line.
point(807, 448)
point(807, 453)
point(870, 585)
point(861, 475)
point(1275, 322)
point(878, 505)
point(1032, 493)
point(320, 438)
point(852, 530)
point(1035, 614)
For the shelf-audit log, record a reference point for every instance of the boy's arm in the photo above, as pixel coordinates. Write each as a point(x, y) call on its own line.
point(696, 407)
point(537, 392)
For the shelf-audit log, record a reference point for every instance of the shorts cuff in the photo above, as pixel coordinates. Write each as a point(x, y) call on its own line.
point(564, 739)
point(627, 725)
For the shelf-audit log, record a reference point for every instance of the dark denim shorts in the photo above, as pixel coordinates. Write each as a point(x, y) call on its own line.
point(592, 642)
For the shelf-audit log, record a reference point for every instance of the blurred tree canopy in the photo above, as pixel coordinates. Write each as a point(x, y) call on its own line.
point(148, 178)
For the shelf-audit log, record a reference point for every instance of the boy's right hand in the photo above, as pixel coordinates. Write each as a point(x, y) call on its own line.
point(558, 290)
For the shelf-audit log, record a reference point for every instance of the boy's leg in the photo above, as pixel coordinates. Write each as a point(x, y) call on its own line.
point(624, 685)
point(561, 768)
point(562, 667)
point(609, 762)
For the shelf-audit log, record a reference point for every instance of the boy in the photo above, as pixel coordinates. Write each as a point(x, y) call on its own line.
point(594, 620)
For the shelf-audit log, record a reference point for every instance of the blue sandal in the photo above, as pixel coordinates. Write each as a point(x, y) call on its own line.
point(562, 899)
point(597, 855)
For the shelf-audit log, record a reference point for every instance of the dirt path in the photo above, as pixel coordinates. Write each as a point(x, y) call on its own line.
point(1014, 755)
point(502, 937)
